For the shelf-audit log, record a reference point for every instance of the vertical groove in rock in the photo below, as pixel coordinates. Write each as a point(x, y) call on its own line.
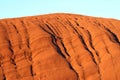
point(28, 48)
point(54, 41)
point(85, 45)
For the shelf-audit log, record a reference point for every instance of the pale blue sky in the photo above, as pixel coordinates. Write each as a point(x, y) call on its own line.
point(100, 8)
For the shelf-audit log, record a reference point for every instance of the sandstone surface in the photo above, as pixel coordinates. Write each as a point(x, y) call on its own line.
point(59, 47)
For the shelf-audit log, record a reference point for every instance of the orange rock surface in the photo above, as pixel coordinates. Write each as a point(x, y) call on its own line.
point(59, 47)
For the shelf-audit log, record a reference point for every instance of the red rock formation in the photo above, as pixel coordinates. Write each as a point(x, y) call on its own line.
point(59, 47)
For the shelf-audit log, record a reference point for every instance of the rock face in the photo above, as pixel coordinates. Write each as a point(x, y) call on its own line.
point(59, 47)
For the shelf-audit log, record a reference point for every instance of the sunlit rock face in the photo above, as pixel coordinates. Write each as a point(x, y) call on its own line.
point(59, 47)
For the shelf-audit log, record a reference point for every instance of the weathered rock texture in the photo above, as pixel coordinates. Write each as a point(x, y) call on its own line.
point(59, 47)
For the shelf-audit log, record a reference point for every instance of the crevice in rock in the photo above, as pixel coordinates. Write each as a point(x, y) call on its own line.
point(91, 45)
point(59, 51)
point(82, 40)
point(54, 41)
point(85, 46)
point(97, 64)
point(64, 47)
point(113, 35)
point(27, 35)
point(77, 23)
point(4, 77)
point(28, 54)
point(31, 70)
point(15, 28)
point(56, 46)
point(50, 28)
point(10, 47)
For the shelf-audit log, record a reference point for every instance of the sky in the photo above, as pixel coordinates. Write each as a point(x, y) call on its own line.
point(21, 8)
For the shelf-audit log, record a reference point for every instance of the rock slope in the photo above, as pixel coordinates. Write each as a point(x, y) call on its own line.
point(59, 47)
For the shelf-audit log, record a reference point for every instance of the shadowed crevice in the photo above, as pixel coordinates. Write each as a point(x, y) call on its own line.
point(59, 50)
point(26, 31)
point(91, 44)
point(85, 46)
point(15, 27)
point(114, 35)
